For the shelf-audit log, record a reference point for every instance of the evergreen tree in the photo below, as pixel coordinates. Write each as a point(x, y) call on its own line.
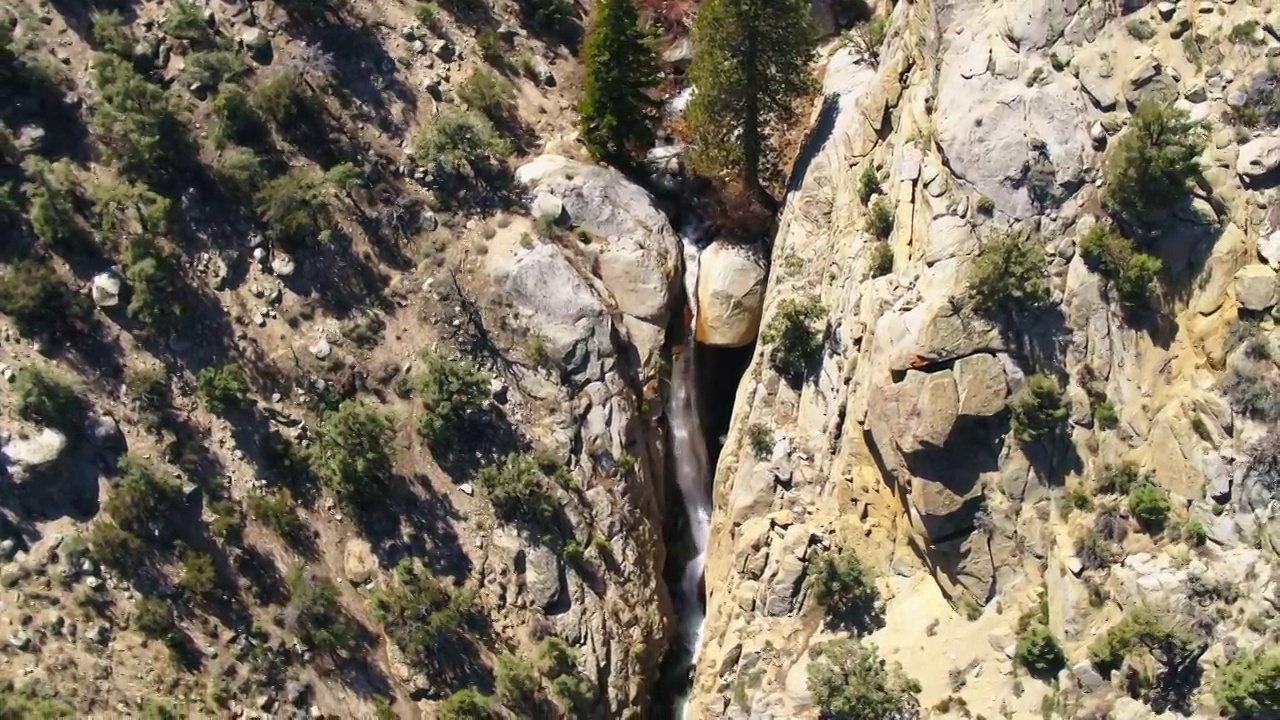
point(752, 65)
point(621, 66)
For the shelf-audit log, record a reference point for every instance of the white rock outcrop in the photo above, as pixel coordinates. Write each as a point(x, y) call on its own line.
point(731, 283)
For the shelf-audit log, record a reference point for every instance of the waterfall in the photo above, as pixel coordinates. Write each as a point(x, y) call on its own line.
point(689, 451)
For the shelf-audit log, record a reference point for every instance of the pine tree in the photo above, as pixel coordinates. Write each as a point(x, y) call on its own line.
point(751, 66)
point(621, 66)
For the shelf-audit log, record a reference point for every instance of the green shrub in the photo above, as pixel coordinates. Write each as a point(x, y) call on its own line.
point(1093, 551)
point(1104, 414)
point(1246, 33)
point(881, 260)
point(1133, 273)
point(795, 343)
point(236, 119)
point(240, 171)
point(52, 193)
point(141, 502)
point(275, 509)
point(869, 36)
point(844, 586)
point(113, 548)
point(40, 304)
point(152, 278)
point(1149, 504)
point(135, 123)
point(518, 491)
point(222, 387)
point(228, 522)
point(110, 33)
point(852, 682)
point(125, 210)
point(214, 67)
point(426, 13)
point(760, 439)
point(354, 453)
point(293, 207)
point(1195, 534)
point(490, 94)
point(1142, 629)
point(466, 704)
point(315, 615)
point(868, 184)
point(1040, 409)
point(1080, 498)
point(515, 684)
point(1038, 651)
point(285, 99)
point(1119, 479)
point(457, 142)
point(422, 615)
point(47, 399)
point(199, 576)
point(153, 618)
point(185, 21)
point(21, 703)
point(880, 219)
point(556, 657)
point(450, 391)
point(1010, 272)
point(1153, 161)
point(1249, 685)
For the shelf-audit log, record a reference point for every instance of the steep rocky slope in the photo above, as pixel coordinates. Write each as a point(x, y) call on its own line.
point(978, 117)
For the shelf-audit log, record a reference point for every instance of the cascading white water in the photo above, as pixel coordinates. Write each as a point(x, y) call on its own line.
point(689, 451)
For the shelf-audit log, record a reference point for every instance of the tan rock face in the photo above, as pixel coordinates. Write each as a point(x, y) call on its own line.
point(731, 282)
point(900, 440)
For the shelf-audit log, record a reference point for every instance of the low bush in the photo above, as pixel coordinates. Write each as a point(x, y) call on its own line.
point(315, 615)
point(152, 277)
point(240, 171)
point(1149, 504)
point(1104, 414)
point(214, 67)
point(1248, 686)
point(153, 618)
point(236, 119)
point(869, 184)
point(851, 681)
point(1262, 465)
point(285, 99)
point(450, 390)
point(113, 548)
point(111, 33)
point(227, 523)
point(185, 21)
point(1039, 652)
point(1093, 551)
point(199, 576)
point(52, 192)
point(1153, 162)
point(558, 662)
point(142, 502)
point(1039, 410)
point(1132, 273)
point(1246, 33)
point(40, 304)
point(222, 387)
point(1194, 533)
point(1142, 629)
point(1119, 479)
point(550, 16)
point(1011, 272)
point(868, 36)
point(422, 615)
point(459, 142)
point(466, 704)
point(1253, 388)
point(880, 219)
point(293, 208)
point(760, 439)
point(1140, 29)
point(135, 123)
point(518, 491)
point(48, 399)
point(794, 341)
point(881, 260)
point(353, 455)
point(489, 93)
point(515, 683)
point(844, 586)
point(275, 509)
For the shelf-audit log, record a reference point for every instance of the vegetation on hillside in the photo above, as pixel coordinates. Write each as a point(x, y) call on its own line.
point(851, 681)
point(1153, 161)
point(617, 113)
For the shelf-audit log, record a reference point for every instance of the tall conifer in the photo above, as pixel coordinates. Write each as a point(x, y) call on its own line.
point(616, 111)
point(751, 65)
